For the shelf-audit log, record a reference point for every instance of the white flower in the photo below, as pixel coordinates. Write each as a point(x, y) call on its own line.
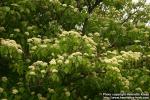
point(101, 44)
point(86, 54)
point(19, 51)
point(78, 53)
point(93, 55)
point(115, 69)
point(85, 97)
point(14, 91)
point(79, 27)
point(46, 40)
point(29, 27)
point(148, 55)
point(70, 57)
point(71, 6)
point(93, 48)
point(55, 45)
point(126, 82)
point(146, 35)
point(65, 89)
point(106, 39)
point(114, 52)
point(51, 90)
point(29, 40)
point(44, 64)
point(138, 89)
point(109, 52)
point(38, 63)
point(60, 61)
point(27, 33)
point(103, 48)
point(137, 41)
point(11, 35)
point(1, 90)
point(4, 99)
point(4, 79)
point(2, 29)
point(43, 46)
point(32, 73)
point(64, 5)
point(120, 61)
point(67, 93)
point(10, 43)
point(32, 93)
point(36, 40)
point(39, 95)
point(75, 9)
point(43, 71)
point(107, 61)
point(34, 47)
point(54, 70)
point(56, 41)
point(60, 57)
point(85, 7)
point(53, 62)
point(67, 61)
point(17, 30)
point(31, 67)
point(97, 34)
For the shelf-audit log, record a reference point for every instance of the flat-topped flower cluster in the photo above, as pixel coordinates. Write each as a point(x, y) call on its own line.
point(11, 44)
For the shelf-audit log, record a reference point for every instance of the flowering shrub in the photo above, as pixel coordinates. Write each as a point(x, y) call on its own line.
point(73, 50)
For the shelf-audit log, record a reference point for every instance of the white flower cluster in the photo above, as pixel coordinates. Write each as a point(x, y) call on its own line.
point(97, 34)
point(37, 67)
point(4, 79)
point(125, 82)
point(112, 61)
point(104, 43)
point(76, 54)
point(16, 30)
point(72, 7)
point(38, 43)
point(53, 62)
point(131, 55)
point(2, 29)
point(1, 90)
point(116, 69)
point(55, 1)
point(51, 90)
point(65, 59)
point(79, 27)
point(11, 43)
point(89, 40)
point(34, 40)
point(125, 56)
point(80, 41)
point(15, 91)
point(72, 33)
point(47, 40)
point(41, 63)
point(114, 52)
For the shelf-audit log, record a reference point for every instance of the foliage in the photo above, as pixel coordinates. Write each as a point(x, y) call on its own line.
point(73, 49)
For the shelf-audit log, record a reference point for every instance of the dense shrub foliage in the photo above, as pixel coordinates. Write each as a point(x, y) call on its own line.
point(73, 49)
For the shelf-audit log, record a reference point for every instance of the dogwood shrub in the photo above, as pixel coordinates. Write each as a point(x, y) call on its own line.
point(73, 49)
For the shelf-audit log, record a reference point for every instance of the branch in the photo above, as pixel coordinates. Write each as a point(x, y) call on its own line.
point(129, 16)
point(92, 7)
point(90, 10)
point(79, 5)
